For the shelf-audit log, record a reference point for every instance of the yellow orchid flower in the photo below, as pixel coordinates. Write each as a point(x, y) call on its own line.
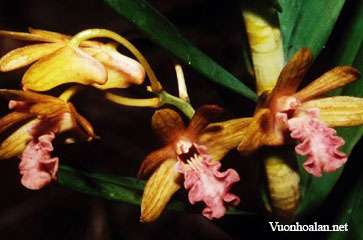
point(58, 60)
point(284, 114)
point(28, 131)
point(192, 152)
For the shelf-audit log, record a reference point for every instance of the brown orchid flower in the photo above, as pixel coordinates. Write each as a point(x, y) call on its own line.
point(28, 132)
point(58, 61)
point(192, 152)
point(285, 114)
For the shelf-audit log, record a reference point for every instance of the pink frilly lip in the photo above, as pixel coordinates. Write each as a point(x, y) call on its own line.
point(37, 166)
point(318, 142)
point(206, 183)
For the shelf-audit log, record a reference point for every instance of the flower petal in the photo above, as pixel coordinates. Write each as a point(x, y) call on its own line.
point(167, 124)
point(260, 132)
point(48, 109)
point(160, 187)
point(335, 78)
point(338, 111)
point(24, 56)
point(61, 37)
point(15, 144)
point(292, 74)
point(319, 143)
point(204, 115)
point(49, 34)
point(154, 160)
point(27, 96)
point(27, 36)
point(82, 122)
point(122, 71)
point(206, 183)
point(11, 119)
point(36, 166)
point(66, 65)
point(222, 137)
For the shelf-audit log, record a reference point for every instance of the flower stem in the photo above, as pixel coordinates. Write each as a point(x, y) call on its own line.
point(183, 105)
point(96, 33)
point(67, 94)
point(150, 102)
point(183, 93)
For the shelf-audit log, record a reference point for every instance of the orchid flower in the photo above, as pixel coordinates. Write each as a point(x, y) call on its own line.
point(285, 114)
point(187, 157)
point(30, 129)
point(59, 60)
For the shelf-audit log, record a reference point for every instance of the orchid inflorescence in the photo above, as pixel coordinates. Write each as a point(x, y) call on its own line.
point(191, 155)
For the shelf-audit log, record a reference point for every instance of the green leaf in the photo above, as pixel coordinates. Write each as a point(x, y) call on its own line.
point(117, 188)
point(105, 186)
point(315, 190)
point(161, 31)
point(351, 213)
point(307, 24)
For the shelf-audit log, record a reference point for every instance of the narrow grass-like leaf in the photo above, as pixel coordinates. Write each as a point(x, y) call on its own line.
point(287, 19)
point(307, 23)
point(161, 31)
point(117, 188)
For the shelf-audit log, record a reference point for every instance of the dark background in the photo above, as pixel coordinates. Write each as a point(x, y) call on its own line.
point(58, 213)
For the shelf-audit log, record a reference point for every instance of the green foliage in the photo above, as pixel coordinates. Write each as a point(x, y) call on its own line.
point(117, 188)
point(351, 213)
point(161, 31)
point(307, 23)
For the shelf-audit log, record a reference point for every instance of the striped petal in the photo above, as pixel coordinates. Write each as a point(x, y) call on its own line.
point(49, 34)
point(27, 96)
point(24, 56)
point(260, 132)
point(154, 160)
point(292, 74)
point(222, 137)
point(61, 37)
point(28, 36)
point(204, 115)
point(83, 123)
point(339, 111)
point(48, 109)
point(335, 78)
point(158, 190)
point(11, 119)
point(15, 143)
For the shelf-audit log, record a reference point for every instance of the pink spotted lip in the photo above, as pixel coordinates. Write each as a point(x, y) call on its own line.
point(204, 180)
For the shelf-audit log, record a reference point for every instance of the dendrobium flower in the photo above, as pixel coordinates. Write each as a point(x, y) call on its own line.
point(185, 157)
point(306, 116)
point(30, 129)
point(58, 61)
